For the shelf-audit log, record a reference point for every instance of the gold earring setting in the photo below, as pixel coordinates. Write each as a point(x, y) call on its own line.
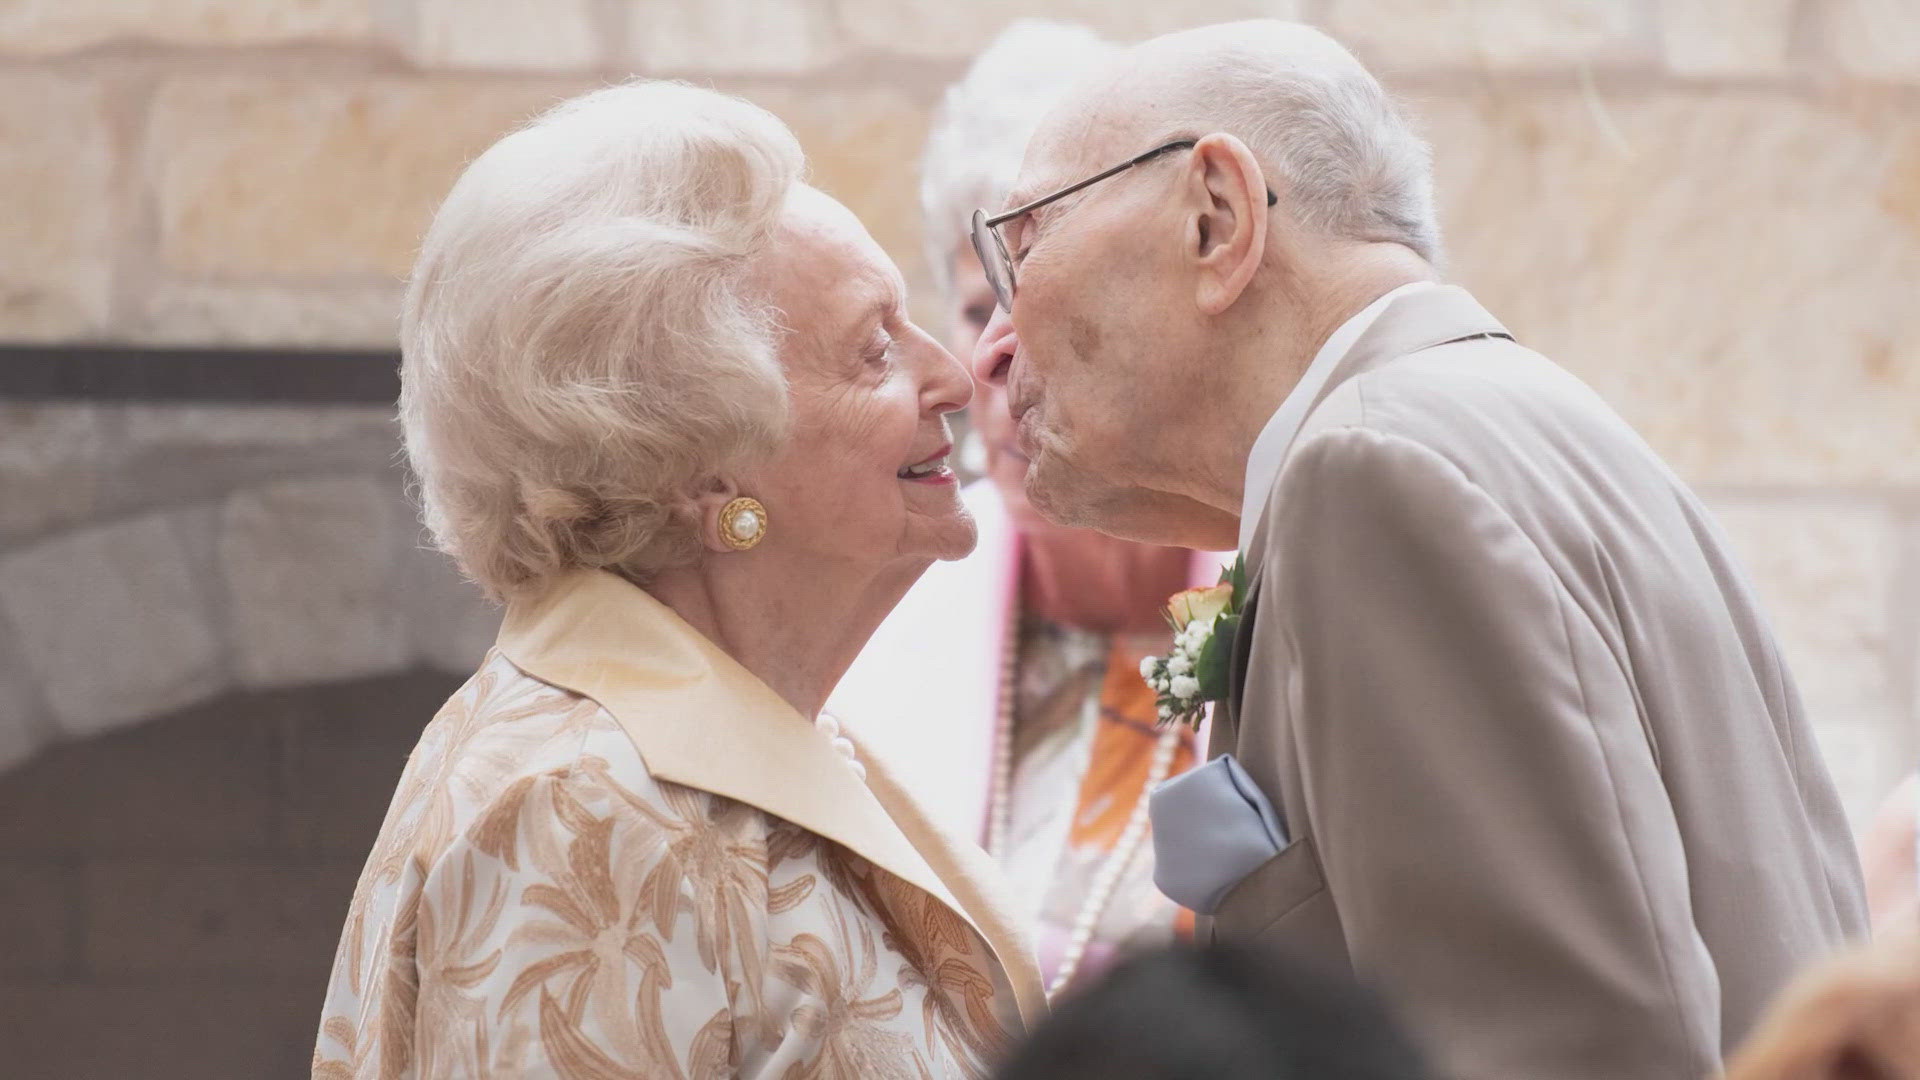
point(743, 523)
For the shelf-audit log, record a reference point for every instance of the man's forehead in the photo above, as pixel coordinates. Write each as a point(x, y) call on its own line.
point(1072, 142)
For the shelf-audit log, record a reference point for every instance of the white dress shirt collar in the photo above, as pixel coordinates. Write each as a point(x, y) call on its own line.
point(1270, 449)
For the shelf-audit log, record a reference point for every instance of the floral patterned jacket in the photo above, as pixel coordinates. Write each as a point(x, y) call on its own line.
point(615, 853)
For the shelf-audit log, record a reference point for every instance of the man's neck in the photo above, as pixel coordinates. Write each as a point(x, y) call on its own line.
point(798, 628)
point(1265, 355)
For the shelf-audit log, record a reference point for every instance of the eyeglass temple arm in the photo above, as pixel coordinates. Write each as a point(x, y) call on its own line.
point(1179, 144)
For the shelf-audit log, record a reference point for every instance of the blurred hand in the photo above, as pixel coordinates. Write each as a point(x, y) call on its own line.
point(1854, 1018)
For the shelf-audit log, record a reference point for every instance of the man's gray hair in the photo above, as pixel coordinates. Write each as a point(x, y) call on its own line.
point(981, 128)
point(1353, 165)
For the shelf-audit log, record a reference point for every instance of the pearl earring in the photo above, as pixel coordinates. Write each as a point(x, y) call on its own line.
point(743, 523)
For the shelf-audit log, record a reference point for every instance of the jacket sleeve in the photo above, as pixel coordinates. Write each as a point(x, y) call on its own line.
point(1487, 805)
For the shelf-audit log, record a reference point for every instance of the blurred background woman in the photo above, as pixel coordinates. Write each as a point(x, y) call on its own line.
point(664, 400)
point(1036, 733)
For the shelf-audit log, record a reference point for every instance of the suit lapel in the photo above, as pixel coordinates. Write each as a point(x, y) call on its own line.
point(1412, 323)
point(1419, 320)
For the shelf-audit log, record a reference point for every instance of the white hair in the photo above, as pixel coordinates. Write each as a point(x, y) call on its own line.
point(1354, 167)
point(580, 350)
point(980, 130)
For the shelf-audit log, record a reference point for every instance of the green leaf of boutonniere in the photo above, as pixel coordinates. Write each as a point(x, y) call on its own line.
point(1204, 624)
point(1216, 658)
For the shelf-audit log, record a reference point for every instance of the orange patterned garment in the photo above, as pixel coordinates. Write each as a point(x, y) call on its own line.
point(1085, 723)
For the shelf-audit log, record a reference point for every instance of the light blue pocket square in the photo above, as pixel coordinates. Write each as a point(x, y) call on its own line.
point(1211, 828)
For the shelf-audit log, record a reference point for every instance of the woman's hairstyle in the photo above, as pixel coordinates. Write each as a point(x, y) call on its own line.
point(1217, 1012)
point(580, 347)
point(980, 131)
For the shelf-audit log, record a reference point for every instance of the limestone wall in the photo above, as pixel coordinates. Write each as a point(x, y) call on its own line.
point(1708, 208)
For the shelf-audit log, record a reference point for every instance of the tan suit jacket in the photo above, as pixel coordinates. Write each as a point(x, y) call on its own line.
point(1546, 779)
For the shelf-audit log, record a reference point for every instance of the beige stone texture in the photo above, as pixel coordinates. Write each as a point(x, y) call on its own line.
point(114, 623)
point(51, 458)
point(1727, 37)
point(1734, 271)
point(946, 29)
point(358, 315)
point(862, 148)
point(1825, 576)
point(731, 36)
point(1399, 34)
point(1875, 38)
point(315, 177)
point(151, 427)
point(551, 35)
point(24, 723)
point(56, 166)
point(52, 26)
point(449, 620)
point(309, 568)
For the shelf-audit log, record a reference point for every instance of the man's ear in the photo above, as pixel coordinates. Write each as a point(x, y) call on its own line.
point(1227, 226)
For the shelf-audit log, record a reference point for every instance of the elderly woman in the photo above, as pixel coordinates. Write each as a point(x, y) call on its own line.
point(664, 401)
point(1042, 739)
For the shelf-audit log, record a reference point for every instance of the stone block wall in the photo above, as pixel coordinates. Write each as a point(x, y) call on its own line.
point(1709, 209)
point(173, 892)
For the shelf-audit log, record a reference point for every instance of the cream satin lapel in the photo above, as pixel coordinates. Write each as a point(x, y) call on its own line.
point(700, 720)
point(971, 875)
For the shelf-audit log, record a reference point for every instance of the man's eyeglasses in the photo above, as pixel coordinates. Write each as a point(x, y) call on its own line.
point(992, 250)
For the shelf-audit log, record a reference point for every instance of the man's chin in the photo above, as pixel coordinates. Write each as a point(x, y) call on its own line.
point(1059, 496)
point(1148, 517)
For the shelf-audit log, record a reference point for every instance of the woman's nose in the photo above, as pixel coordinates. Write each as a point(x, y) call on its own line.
point(948, 387)
point(993, 356)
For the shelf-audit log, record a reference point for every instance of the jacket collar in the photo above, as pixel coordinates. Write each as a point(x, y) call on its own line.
point(1414, 321)
point(701, 720)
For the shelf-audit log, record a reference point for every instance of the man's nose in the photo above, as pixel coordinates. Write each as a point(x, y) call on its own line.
point(993, 355)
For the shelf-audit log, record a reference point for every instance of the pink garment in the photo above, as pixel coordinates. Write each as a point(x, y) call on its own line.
point(924, 693)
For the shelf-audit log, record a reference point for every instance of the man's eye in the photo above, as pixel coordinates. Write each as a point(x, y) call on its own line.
point(1020, 237)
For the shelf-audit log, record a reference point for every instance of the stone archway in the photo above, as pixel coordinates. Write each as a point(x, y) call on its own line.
point(175, 888)
point(155, 556)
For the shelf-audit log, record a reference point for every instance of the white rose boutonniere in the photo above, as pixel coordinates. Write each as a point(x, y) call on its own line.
point(1194, 674)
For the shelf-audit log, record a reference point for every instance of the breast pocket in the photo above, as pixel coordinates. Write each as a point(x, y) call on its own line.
point(1285, 903)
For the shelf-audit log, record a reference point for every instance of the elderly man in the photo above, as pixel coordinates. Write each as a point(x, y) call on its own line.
point(1503, 708)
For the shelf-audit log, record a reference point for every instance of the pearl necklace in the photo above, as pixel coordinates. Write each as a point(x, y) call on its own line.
point(1106, 881)
point(831, 729)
